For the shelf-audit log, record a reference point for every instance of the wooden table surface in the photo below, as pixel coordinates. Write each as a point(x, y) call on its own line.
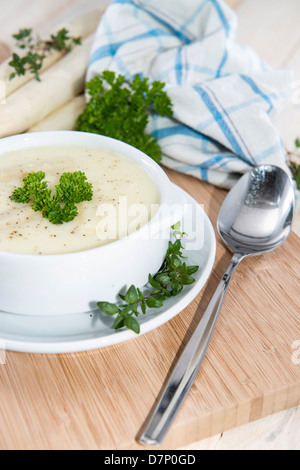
point(99, 399)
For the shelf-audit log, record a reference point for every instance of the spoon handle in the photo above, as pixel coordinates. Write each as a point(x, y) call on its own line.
point(187, 366)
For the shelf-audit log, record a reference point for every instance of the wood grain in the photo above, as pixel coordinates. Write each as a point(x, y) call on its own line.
point(100, 399)
point(277, 432)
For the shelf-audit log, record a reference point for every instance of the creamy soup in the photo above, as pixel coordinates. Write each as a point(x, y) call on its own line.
point(124, 198)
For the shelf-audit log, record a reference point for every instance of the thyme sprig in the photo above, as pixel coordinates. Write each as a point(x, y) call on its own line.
point(37, 49)
point(168, 282)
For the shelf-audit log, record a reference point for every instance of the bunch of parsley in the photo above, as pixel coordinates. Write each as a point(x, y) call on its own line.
point(120, 109)
point(72, 189)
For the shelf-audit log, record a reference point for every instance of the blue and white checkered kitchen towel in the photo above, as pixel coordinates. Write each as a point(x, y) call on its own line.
point(224, 96)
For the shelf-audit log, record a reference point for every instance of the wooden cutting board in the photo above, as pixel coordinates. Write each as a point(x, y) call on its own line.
point(100, 399)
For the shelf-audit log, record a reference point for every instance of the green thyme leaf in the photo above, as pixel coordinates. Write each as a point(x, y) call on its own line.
point(152, 282)
point(132, 324)
point(22, 34)
point(186, 280)
point(62, 41)
point(191, 270)
point(163, 278)
point(108, 308)
point(176, 288)
point(131, 295)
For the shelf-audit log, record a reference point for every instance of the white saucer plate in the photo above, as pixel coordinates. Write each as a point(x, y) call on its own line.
point(92, 330)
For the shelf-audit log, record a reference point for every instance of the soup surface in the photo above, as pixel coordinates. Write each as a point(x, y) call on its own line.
point(124, 198)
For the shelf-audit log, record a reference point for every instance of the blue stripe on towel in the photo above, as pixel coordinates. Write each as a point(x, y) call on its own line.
point(165, 22)
point(227, 32)
point(256, 90)
point(166, 132)
point(220, 121)
point(110, 49)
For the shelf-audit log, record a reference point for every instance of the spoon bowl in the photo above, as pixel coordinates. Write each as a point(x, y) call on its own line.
point(255, 218)
point(257, 214)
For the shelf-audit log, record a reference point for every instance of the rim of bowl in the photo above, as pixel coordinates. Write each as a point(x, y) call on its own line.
point(142, 159)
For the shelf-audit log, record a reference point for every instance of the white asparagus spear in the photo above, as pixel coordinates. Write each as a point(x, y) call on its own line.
point(63, 118)
point(35, 100)
point(82, 26)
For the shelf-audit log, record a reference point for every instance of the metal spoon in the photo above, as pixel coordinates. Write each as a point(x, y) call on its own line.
point(255, 218)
